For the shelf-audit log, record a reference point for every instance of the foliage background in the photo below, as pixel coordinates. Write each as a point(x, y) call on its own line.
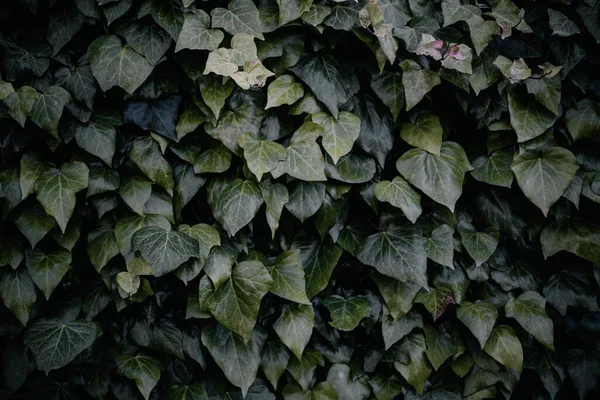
point(300, 200)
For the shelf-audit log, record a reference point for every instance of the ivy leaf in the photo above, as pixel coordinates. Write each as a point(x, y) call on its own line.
point(320, 391)
point(398, 296)
point(479, 317)
point(436, 300)
point(47, 270)
point(343, 17)
point(319, 259)
point(18, 293)
point(146, 154)
point(385, 388)
point(494, 169)
point(116, 65)
point(547, 92)
point(276, 196)
point(236, 303)
point(56, 190)
point(346, 313)
point(214, 92)
point(240, 17)
point(339, 133)
point(399, 194)
point(20, 103)
point(262, 156)
point(440, 246)
point(34, 224)
point(11, 252)
point(426, 133)
point(196, 35)
point(234, 202)
point(284, 90)
point(288, 277)
point(166, 13)
point(48, 109)
point(164, 250)
point(543, 175)
point(155, 115)
point(79, 81)
point(479, 245)
point(529, 309)
point(394, 330)
point(55, 343)
point(144, 369)
point(150, 40)
point(303, 370)
point(413, 365)
point(528, 118)
point(440, 345)
point(583, 121)
point(304, 158)
point(583, 367)
point(389, 88)
point(98, 137)
point(294, 327)
point(274, 361)
point(504, 346)
point(290, 10)
point(102, 247)
point(31, 168)
point(331, 82)
point(238, 360)
point(566, 289)
point(417, 82)
point(135, 192)
point(397, 252)
point(305, 199)
point(187, 392)
point(439, 177)
point(561, 24)
point(340, 377)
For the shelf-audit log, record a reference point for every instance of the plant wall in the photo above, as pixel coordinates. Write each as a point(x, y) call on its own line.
point(297, 199)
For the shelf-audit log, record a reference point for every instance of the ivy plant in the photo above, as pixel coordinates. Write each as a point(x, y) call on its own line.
point(299, 199)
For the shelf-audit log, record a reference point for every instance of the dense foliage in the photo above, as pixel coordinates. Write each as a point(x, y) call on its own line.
point(298, 199)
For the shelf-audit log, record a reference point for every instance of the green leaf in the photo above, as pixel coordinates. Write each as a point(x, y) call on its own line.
point(236, 303)
point(305, 199)
point(294, 327)
point(529, 309)
point(31, 168)
point(241, 16)
point(340, 377)
point(274, 361)
point(398, 296)
point(320, 391)
point(187, 392)
point(206, 235)
point(34, 224)
point(18, 293)
point(426, 133)
point(238, 360)
point(343, 17)
point(303, 370)
point(220, 62)
point(164, 250)
point(346, 314)
point(304, 158)
point(479, 245)
point(155, 115)
point(290, 10)
point(413, 365)
point(102, 247)
point(98, 137)
point(47, 270)
point(440, 345)
point(319, 259)
point(262, 156)
point(567, 288)
point(331, 82)
point(288, 277)
point(351, 168)
point(479, 317)
point(528, 118)
point(234, 202)
point(135, 192)
point(583, 368)
point(196, 35)
point(150, 40)
point(397, 252)
point(79, 81)
point(386, 388)
point(584, 120)
point(494, 169)
point(20, 103)
point(388, 86)
point(116, 65)
point(276, 196)
point(544, 175)
point(284, 90)
point(394, 330)
point(504, 346)
point(144, 369)
point(417, 82)
point(436, 300)
point(399, 194)
point(339, 133)
point(214, 92)
point(11, 252)
point(48, 108)
point(146, 154)
point(439, 177)
point(56, 189)
point(440, 246)
point(547, 92)
point(55, 343)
